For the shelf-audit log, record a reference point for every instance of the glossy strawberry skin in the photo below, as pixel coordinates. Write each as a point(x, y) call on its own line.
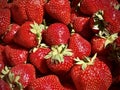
point(10, 32)
point(4, 19)
point(15, 54)
point(4, 85)
point(80, 46)
point(26, 72)
point(56, 33)
point(61, 68)
point(25, 37)
point(59, 10)
point(94, 77)
point(50, 82)
point(37, 59)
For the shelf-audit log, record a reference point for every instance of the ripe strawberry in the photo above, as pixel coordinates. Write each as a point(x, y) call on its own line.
point(49, 82)
point(59, 10)
point(4, 20)
point(91, 74)
point(29, 35)
point(80, 46)
point(34, 10)
point(10, 32)
point(19, 76)
point(4, 85)
point(1, 62)
point(37, 59)
point(81, 26)
point(60, 59)
point(56, 33)
point(15, 54)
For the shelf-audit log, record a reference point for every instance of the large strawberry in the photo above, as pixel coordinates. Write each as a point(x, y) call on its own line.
point(19, 76)
point(29, 35)
point(36, 58)
point(15, 54)
point(10, 32)
point(91, 74)
point(56, 33)
point(49, 82)
point(60, 59)
point(4, 20)
point(59, 10)
point(80, 46)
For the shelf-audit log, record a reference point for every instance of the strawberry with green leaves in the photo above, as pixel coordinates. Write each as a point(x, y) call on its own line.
point(36, 58)
point(56, 34)
point(49, 82)
point(59, 10)
point(4, 20)
point(19, 76)
point(80, 46)
point(15, 54)
point(60, 59)
point(29, 35)
point(91, 74)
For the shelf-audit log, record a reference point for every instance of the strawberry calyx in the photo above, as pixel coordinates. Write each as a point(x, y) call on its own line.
point(11, 79)
point(37, 30)
point(58, 52)
point(86, 61)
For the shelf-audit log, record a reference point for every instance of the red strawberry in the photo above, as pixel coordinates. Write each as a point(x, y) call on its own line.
point(91, 74)
point(34, 10)
point(36, 58)
point(1, 62)
point(56, 33)
point(19, 76)
point(81, 26)
point(60, 59)
point(29, 35)
point(3, 3)
point(49, 82)
point(16, 54)
point(59, 10)
point(80, 46)
point(4, 20)
point(4, 85)
point(10, 32)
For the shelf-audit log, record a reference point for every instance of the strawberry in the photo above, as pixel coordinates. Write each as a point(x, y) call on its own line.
point(49, 82)
point(19, 76)
point(59, 10)
point(1, 62)
point(56, 33)
point(10, 32)
point(81, 26)
point(4, 85)
point(15, 54)
point(91, 74)
point(29, 35)
point(80, 46)
point(4, 19)
point(3, 3)
point(60, 59)
point(37, 59)
point(34, 10)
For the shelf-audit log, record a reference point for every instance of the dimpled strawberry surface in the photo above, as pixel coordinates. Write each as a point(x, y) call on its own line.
point(59, 45)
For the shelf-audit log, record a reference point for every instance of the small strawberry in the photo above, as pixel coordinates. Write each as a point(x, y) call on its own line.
point(49, 82)
point(10, 32)
point(60, 59)
point(15, 54)
point(4, 85)
point(29, 35)
point(56, 33)
point(91, 74)
point(4, 20)
point(37, 59)
point(59, 10)
point(80, 46)
point(19, 76)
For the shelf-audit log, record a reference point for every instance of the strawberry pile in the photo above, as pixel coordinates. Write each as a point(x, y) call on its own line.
point(59, 45)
